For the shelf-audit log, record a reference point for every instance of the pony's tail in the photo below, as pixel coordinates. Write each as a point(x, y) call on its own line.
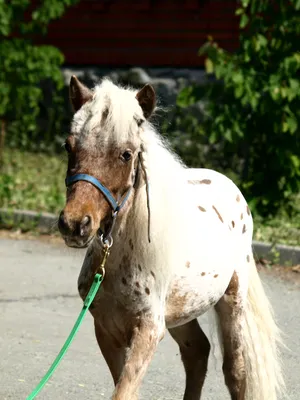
point(264, 379)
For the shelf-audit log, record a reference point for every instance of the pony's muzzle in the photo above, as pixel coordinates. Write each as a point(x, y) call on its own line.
point(75, 231)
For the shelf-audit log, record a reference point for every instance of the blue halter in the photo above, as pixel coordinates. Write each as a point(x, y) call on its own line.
point(116, 206)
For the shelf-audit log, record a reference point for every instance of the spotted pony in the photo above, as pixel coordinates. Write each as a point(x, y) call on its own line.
point(182, 246)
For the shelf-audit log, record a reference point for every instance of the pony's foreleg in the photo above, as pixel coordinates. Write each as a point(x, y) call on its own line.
point(194, 348)
point(114, 355)
point(230, 313)
point(145, 337)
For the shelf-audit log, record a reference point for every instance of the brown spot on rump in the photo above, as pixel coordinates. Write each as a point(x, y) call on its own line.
point(201, 208)
point(188, 264)
point(124, 281)
point(233, 224)
point(203, 273)
point(147, 290)
point(218, 214)
point(248, 210)
point(244, 228)
point(131, 244)
point(215, 276)
point(248, 258)
point(137, 284)
point(242, 216)
point(238, 198)
point(137, 293)
point(139, 267)
point(153, 274)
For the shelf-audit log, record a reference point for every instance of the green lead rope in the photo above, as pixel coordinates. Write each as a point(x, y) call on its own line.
point(88, 300)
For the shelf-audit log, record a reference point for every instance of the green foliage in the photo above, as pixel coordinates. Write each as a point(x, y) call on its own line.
point(253, 110)
point(24, 66)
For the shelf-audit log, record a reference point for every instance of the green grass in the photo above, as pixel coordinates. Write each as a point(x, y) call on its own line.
point(33, 181)
point(36, 182)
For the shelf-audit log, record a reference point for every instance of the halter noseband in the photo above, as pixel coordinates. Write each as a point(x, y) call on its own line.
point(116, 206)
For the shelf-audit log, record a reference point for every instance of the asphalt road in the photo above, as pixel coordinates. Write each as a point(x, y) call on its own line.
point(39, 305)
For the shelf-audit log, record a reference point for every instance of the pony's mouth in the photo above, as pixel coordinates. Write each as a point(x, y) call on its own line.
point(78, 243)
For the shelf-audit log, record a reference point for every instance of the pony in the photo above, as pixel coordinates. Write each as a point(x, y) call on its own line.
point(181, 245)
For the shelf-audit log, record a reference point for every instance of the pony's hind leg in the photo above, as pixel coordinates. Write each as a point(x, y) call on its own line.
point(230, 313)
point(194, 348)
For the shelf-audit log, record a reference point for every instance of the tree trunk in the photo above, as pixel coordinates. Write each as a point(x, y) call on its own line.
point(2, 140)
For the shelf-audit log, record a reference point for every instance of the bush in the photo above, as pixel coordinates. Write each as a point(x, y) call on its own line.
point(24, 66)
point(253, 110)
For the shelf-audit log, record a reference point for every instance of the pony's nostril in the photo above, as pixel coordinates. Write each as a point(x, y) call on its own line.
point(61, 221)
point(85, 225)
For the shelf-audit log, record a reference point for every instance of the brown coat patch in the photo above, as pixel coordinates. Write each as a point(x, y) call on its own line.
point(248, 258)
point(242, 216)
point(218, 214)
point(198, 182)
point(244, 228)
point(233, 286)
point(201, 208)
point(215, 276)
point(248, 210)
point(206, 181)
point(238, 198)
point(176, 305)
point(233, 223)
point(188, 264)
point(203, 273)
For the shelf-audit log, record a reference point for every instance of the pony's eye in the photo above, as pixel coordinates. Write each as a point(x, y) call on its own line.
point(67, 147)
point(126, 156)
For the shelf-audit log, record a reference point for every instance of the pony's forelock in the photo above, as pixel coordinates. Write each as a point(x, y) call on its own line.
point(110, 117)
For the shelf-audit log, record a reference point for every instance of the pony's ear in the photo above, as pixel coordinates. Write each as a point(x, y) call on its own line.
point(79, 94)
point(147, 100)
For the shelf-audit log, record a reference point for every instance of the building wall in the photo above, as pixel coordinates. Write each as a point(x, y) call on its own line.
point(147, 33)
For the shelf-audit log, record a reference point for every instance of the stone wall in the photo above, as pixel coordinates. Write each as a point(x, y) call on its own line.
point(166, 81)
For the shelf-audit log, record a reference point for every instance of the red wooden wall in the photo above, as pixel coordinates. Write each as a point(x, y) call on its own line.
point(145, 33)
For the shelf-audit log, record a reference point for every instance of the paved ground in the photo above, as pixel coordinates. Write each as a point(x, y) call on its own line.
point(39, 304)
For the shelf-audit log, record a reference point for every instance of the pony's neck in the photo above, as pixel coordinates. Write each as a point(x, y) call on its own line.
point(164, 170)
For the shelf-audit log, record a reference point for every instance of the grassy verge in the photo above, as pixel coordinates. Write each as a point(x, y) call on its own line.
point(36, 182)
point(33, 181)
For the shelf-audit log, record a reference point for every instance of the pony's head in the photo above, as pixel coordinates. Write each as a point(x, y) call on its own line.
point(105, 143)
